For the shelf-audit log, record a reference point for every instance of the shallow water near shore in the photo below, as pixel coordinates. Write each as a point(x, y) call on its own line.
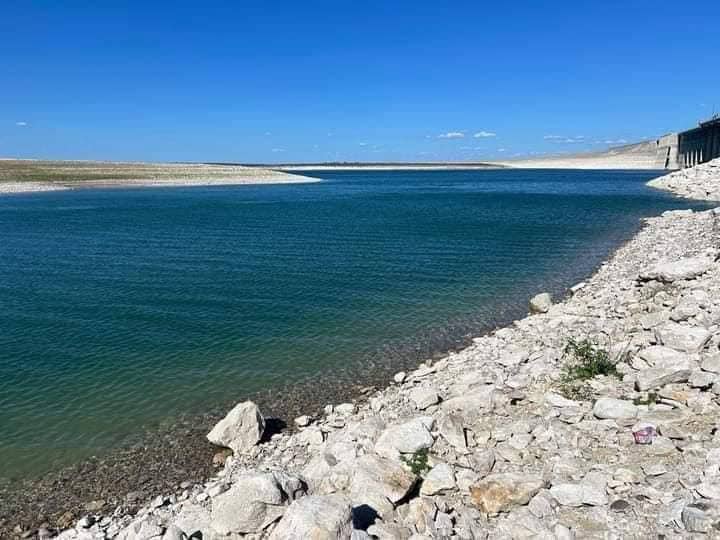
point(123, 309)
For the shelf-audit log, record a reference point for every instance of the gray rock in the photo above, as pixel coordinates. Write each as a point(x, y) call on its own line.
point(303, 421)
point(614, 408)
point(379, 483)
point(689, 339)
point(241, 429)
point(346, 409)
point(711, 364)
point(669, 272)
point(702, 379)
point(174, 533)
point(648, 379)
point(578, 494)
point(400, 377)
point(249, 506)
point(316, 517)
point(406, 438)
point(664, 357)
point(556, 400)
point(700, 516)
point(424, 397)
point(450, 427)
point(540, 303)
point(441, 478)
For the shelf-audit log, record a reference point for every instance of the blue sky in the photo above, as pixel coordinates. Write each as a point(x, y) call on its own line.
point(274, 81)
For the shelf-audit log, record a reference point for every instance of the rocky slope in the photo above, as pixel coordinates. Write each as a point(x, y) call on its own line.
point(700, 182)
point(592, 418)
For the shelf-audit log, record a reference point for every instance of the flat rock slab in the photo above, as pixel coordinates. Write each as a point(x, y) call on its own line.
point(689, 339)
point(669, 272)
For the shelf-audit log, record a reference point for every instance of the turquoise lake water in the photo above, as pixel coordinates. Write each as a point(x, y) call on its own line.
point(123, 308)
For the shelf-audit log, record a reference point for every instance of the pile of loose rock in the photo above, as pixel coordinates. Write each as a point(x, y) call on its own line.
point(487, 442)
point(700, 182)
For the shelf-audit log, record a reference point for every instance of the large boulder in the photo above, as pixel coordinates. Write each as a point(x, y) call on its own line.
point(689, 339)
point(648, 379)
point(240, 430)
point(540, 303)
point(379, 483)
point(254, 502)
point(503, 491)
point(316, 517)
point(406, 438)
point(440, 478)
point(669, 272)
point(664, 357)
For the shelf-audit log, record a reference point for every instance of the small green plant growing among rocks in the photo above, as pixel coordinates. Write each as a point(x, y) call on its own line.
point(417, 462)
point(587, 361)
point(651, 399)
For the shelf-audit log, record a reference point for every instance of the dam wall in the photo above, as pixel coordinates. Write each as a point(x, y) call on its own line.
point(700, 144)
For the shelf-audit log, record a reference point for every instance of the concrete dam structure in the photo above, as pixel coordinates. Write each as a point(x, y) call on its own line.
point(691, 147)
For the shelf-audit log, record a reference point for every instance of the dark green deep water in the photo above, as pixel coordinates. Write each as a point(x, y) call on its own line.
point(120, 309)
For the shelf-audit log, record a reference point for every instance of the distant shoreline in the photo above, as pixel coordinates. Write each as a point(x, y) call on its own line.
point(30, 176)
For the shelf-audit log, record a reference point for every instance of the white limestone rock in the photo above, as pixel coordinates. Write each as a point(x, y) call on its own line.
point(441, 478)
point(606, 408)
point(659, 356)
point(249, 506)
point(648, 379)
point(379, 483)
point(540, 303)
point(406, 438)
point(316, 517)
point(240, 430)
point(578, 494)
point(451, 428)
point(424, 397)
point(669, 272)
point(556, 400)
point(689, 339)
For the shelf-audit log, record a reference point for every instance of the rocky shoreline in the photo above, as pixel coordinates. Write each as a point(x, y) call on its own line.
point(592, 418)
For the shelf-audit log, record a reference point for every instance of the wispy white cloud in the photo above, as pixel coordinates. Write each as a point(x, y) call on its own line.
point(565, 139)
point(452, 135)
point(21, 124)
point(363, 144)
point(616, 141)
point(484, 134)
point(501, 149)
point(276, 150)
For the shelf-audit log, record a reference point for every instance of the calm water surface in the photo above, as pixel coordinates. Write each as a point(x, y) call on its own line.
point(123, 308)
